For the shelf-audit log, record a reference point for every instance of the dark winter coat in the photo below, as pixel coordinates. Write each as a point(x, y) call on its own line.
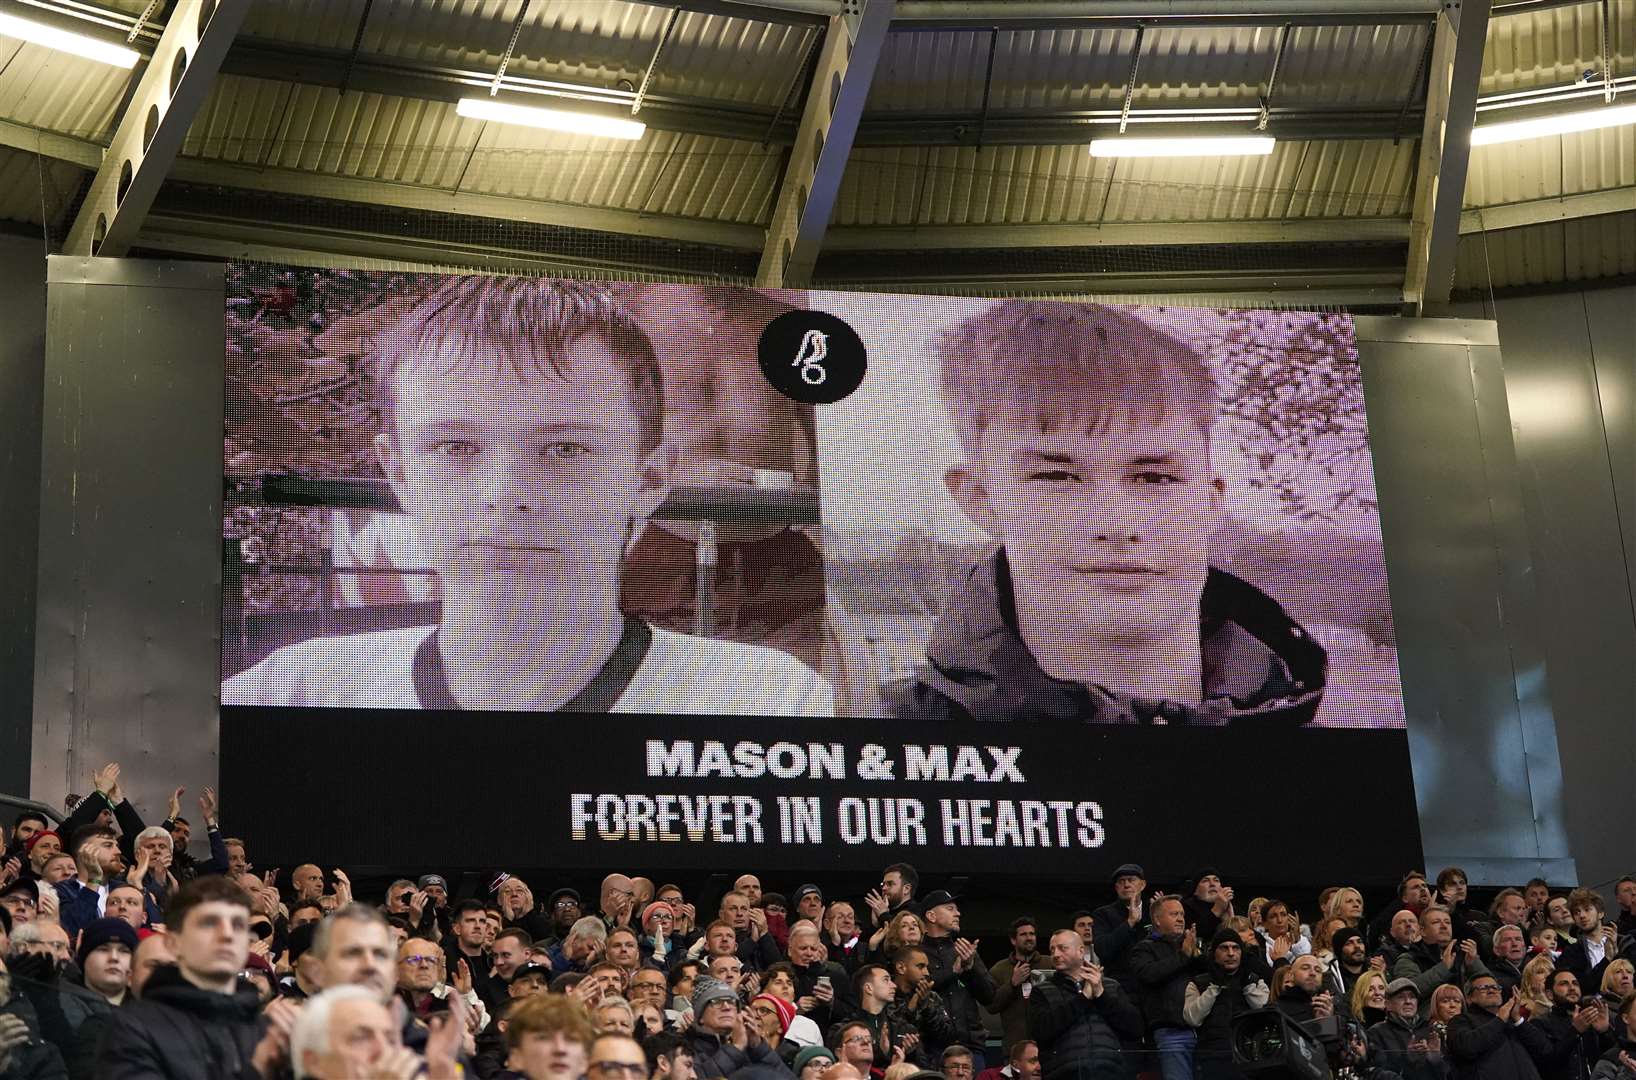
point(1162, 974)
point(1481, 1046)
point(1568, 1054)
point(179, 1031)
point(962, 992)
point(1079, 1038)
point(1259, 664)
point(713, 1058)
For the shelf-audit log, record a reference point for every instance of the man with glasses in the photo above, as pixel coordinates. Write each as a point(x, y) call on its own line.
point(856, 1046)
point(722, 1041)
point(616, 1057)
point(564, 909)
point(1487, 1041)
point(648, 987)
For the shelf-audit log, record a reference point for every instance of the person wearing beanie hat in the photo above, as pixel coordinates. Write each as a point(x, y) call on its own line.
point(658, 940)
point(772, 1015)
point(41, 848)
point(1350, 961)
point(1209, 902)
point(715, 1017)
point(104, 956)
point(820, 1055)
point(1227, 989)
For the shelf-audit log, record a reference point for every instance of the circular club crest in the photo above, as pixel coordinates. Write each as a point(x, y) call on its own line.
point(812, 357)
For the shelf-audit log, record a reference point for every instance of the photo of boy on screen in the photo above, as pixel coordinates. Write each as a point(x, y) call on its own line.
point(1085, 435)
point(522, 433)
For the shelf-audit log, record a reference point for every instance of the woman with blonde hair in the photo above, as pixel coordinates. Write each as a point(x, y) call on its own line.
point(1368, 998)
point(1618, 980)
point(1347, 904)
point(1534, 992)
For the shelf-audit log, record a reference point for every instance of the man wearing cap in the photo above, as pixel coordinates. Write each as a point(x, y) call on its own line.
point(1215, 998)
point(1010, 976)
point(40, 848)
point(21, 899)
point(957, 972)
point(722, 1042)
point(436, 888)
point(1123, 923)
point(1403, 1042)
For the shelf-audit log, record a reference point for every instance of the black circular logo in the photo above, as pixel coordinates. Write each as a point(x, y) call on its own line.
point(812, 357)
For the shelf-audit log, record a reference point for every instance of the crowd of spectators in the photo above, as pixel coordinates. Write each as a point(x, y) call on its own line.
point(127, 957)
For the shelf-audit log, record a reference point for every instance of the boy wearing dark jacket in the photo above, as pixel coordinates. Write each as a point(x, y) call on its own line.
point(1086, 439)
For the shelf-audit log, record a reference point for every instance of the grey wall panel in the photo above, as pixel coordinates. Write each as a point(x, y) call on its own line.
point(22, 374)
point(128, 632)
point(1480, 726)
point(1560, 374)
point(1610, 316)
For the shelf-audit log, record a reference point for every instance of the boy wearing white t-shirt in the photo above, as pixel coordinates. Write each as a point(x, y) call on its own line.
point(522, 431)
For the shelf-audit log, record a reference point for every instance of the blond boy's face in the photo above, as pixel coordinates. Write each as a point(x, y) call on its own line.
point(1110, 532)
point(514, 477)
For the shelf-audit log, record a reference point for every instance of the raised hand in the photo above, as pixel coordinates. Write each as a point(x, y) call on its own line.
point(1323, 1004)
point(136, 873)
point(175, 810)
point(399, 1063)
point(208, 806)
point(1093, 980)
point(1190, 942)
point(274, 1047)
point(877, 903)
point(462, 976)
point(106, 780)
point(1019, 972)
point(444, 1039)
point(10, 871)
point(48, 903)
point(343, 888)
point(965, 952)
point(1133, 910)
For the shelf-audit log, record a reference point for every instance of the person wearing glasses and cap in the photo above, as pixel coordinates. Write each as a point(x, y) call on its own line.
point(1489, 1041)
point(724, 1040)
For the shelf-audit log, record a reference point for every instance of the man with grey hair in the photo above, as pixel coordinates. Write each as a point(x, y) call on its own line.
point(582, 946)
point(345, 1032)
point(354, 948)
point(153, 851)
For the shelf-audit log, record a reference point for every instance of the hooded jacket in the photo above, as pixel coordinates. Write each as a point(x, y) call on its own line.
point(1259, 664)
point(178, 1030)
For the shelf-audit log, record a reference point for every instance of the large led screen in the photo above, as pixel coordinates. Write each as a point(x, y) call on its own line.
point(1053, 577)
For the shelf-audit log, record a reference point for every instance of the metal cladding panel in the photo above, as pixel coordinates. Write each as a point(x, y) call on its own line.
point(1570, 367)
point(128, 633)
point(1580, 249)
point(1064, 184)
point(1481, 733)
point(589, 42)
point(1556, 45)
point(1558, 165)
point(1087, 69)
point(405, 140)
point(35, 189)
point(48, 89)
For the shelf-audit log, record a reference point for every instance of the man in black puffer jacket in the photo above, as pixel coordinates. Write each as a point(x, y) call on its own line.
point(1403, 1042)
point(1163, 965)
point(195, 1019)
point(1214, 998)
point(1080, 1017)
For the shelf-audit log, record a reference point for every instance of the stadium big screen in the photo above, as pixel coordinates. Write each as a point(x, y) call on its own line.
point(576, 574)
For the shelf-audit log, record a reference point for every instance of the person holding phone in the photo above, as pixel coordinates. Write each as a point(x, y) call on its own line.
point(1080, 1015)
point(1014, 979)
point(1578, 1030)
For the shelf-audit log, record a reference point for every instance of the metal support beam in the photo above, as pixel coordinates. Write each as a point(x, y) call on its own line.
point(1445, 151)
point(653, 62)
point(149, 135)
point(1272, 79)
point(1116, 234)
point(823, 143)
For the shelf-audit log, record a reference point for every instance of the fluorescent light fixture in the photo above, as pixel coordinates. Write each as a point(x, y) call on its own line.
point(1561, 124)
point(575, 123)
point(1202, 146)
point(67, 41)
